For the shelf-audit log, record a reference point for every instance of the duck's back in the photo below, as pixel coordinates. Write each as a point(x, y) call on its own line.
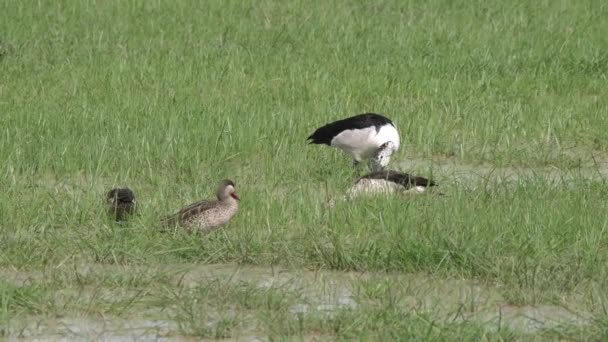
point(204, 215)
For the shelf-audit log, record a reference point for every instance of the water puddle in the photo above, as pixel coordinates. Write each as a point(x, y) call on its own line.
point(100, 329)
point(530, 319)
point(590, 167)
point(326, 292)
point(319, 293)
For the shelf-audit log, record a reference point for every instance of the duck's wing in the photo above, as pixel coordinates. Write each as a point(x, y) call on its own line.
point(189, 211)
point(421, 181)
point(402, 178)
point(408, 180)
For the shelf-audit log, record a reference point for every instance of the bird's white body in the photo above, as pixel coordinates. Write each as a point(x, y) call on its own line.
point(367, 136)
point(362, 143)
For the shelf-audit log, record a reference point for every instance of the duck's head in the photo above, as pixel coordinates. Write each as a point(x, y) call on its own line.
point(226, 189)
point(120, 195)
point(382, 156)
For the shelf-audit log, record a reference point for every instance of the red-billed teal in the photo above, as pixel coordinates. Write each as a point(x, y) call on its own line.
point(207, 215)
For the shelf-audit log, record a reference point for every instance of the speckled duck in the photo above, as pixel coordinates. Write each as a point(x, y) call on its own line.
point(207, 215)
point(389, 182)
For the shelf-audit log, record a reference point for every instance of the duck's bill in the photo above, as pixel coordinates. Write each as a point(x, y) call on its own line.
point(235, 196)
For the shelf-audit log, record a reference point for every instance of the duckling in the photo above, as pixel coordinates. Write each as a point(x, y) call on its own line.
point(387, 182)
point(208, 215)
point(120, 203)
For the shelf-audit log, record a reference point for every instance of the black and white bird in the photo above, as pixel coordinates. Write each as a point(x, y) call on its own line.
point(389, 182)
point(120, 203)
point(367, 136)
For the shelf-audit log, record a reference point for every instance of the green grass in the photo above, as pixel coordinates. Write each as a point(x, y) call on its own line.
point(170, 97)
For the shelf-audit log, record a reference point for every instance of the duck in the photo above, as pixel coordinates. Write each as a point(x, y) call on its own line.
point(120, 203)
point(389, 182)
point(362, 137)
point(207, 215)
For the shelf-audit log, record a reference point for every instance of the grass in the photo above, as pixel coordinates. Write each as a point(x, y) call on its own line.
point(169, 98)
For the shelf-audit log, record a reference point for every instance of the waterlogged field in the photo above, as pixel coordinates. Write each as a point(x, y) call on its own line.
point(504, 104)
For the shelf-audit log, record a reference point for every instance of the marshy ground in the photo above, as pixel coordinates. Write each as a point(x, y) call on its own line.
point(242, 302)
point(503, 104)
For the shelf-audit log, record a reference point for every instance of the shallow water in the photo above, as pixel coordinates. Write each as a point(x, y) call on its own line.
point(590, 167)
point(98, 329)
point(322, 293)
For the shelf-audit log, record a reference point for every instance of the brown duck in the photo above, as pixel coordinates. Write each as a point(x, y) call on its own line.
point(207, 215)
point(120, 203)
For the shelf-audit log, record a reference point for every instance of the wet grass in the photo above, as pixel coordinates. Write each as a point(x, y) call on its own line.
point(169, 98)
point(233, 302)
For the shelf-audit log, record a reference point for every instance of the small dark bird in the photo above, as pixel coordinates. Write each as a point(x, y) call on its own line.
point(120, 203)
point(207, 215)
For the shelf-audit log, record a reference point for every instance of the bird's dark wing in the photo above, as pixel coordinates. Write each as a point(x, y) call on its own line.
point(401, 178)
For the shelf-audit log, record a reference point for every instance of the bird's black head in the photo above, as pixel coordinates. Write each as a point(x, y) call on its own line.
point(120, 195)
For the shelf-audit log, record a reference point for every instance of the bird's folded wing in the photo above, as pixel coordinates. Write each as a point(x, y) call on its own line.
point(188, 211)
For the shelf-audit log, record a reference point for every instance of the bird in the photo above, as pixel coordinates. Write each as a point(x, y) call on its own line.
point(207, 215)
point(120, 203)
point(382, 157)
point(389, 182)
point(362, 137)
